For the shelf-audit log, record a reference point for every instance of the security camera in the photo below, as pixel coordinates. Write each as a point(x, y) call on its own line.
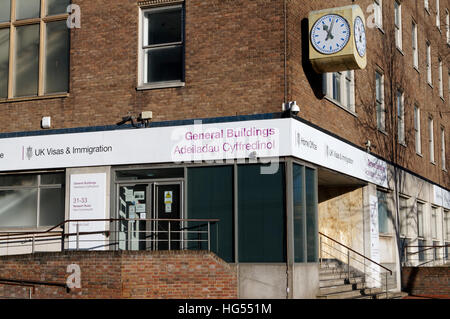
point(294, 108)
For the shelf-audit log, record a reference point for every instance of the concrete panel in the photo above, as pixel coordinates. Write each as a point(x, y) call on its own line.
point(306, 281)
point(262, 281)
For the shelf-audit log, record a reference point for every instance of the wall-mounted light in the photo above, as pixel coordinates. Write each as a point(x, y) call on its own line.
point(46, 122)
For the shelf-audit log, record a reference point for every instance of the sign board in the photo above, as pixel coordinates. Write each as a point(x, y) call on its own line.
point(374, 278)
point(88, 201)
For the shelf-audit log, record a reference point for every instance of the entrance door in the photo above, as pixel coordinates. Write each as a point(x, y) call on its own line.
point(134, 205)
point(168, 206)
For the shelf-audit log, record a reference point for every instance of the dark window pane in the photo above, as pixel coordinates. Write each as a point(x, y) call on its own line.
point(299, 219)
point(57, 57)
point(51, 211)
point(5, 10)
point(53, 179)
point(164, 64)
point(210, 196)
point(57, 6)
point(4, 62)
point(18, 208)
point(27, 9)
point(261, 205)
point(27, 60)
point(311, 215)
point(18, 180)
point(164, 26)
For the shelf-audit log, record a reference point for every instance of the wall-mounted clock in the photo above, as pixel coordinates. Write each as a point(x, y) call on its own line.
point(330, 34)
point(337, 39)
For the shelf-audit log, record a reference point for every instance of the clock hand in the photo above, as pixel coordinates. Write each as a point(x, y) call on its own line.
point(329, 35)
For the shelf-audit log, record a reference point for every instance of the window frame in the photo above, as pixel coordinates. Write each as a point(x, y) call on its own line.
point(443, 152)
point(378, 13)
point(346, 85)
point(420, 219)
point(417, 131)
point(398, 25)
point(431, 139)
point(379, 101)
point(42, 21)
point(429, 64)
point(141, 74)
point(401, 133)
point(415, 45)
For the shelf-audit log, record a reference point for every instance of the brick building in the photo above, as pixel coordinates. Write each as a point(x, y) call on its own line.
point(142, 111)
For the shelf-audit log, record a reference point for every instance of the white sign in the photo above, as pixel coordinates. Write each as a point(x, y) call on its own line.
point(263, 139)
point(87, 202)
point(374, 279)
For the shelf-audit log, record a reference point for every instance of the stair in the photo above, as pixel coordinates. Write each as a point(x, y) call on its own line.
point(335, 285)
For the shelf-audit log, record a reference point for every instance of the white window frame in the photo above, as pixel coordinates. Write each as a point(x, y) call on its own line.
point(142, 65)
point(417, 134)
point(398, 24)
point(429, 70)
point(400, 108)
point(415, 46)
point(438, 18)
point(379, 101)
point(447, 26)
point(346, 89)
point(431, 139)
point(403, 217)
point(434, 223)
point(440, 80)
point(426, 5)
point(378, 12)
point(443, 154)
point(420, 219)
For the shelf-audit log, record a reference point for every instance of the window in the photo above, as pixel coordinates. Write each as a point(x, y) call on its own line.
point(34, 48)
point(418, 141)
point(433, 222)
point(400, 118)
point(261, 215)
point(31, 200)
point(378, 12)
point(429, 75)
point(421, 250)
point(339, 87)
point(414, 46)
point(420, 232)
point(444, 167)
point(447, 26)
point(441, 84)
point(379, 98)
point(383, 212)
point(431, 138)
point(438, 19)
point(426, 5)
point(162, 47)
point(398, 24)
point(210, 196)
point(447, 225)
point(403, 203)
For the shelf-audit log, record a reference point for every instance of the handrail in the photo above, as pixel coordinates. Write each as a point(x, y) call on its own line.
point(359, 254)
point(9, 234)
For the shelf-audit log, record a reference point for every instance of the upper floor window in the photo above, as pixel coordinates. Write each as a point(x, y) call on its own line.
point(417, 130)
point(414, 46)
point(443, 148)
point(447, 26)
point(440, 80)
point(429, 75)
point(379, 99)
point(161, 61)
point(420, 228)
point(400, 117)
point(378, 13)
point(339, 87)
point(398, 24)
point(438, 18)
point(431, 138)
point(34, 48)
point(426, 5)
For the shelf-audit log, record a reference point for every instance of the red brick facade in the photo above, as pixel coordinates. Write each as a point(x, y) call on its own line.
point(431, 281)
point(127, 274)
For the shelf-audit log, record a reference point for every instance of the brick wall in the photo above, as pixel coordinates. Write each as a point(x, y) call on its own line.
point(131, 274)
point(433, 281)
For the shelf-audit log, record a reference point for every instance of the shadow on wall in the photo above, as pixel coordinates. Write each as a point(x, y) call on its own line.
point(314, 79)
point(410, 283)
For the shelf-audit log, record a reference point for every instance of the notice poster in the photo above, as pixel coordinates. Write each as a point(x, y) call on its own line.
point(88, 202)
point(374, 279)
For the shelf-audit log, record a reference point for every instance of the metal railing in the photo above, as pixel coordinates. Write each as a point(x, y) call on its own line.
point(421, 255)
point(354, 262)
point(114, 234)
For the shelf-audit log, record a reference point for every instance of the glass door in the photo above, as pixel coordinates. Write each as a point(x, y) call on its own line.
point(134, 204)
point(168, 206)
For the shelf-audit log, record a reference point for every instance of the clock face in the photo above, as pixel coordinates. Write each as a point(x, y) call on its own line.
point(330, 34)
point(360, 36)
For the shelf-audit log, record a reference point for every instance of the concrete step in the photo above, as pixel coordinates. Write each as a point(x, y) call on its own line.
point(340, 288)
point(337, 275)
point(391, 295)
point(341, 295)
point(340, 281)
